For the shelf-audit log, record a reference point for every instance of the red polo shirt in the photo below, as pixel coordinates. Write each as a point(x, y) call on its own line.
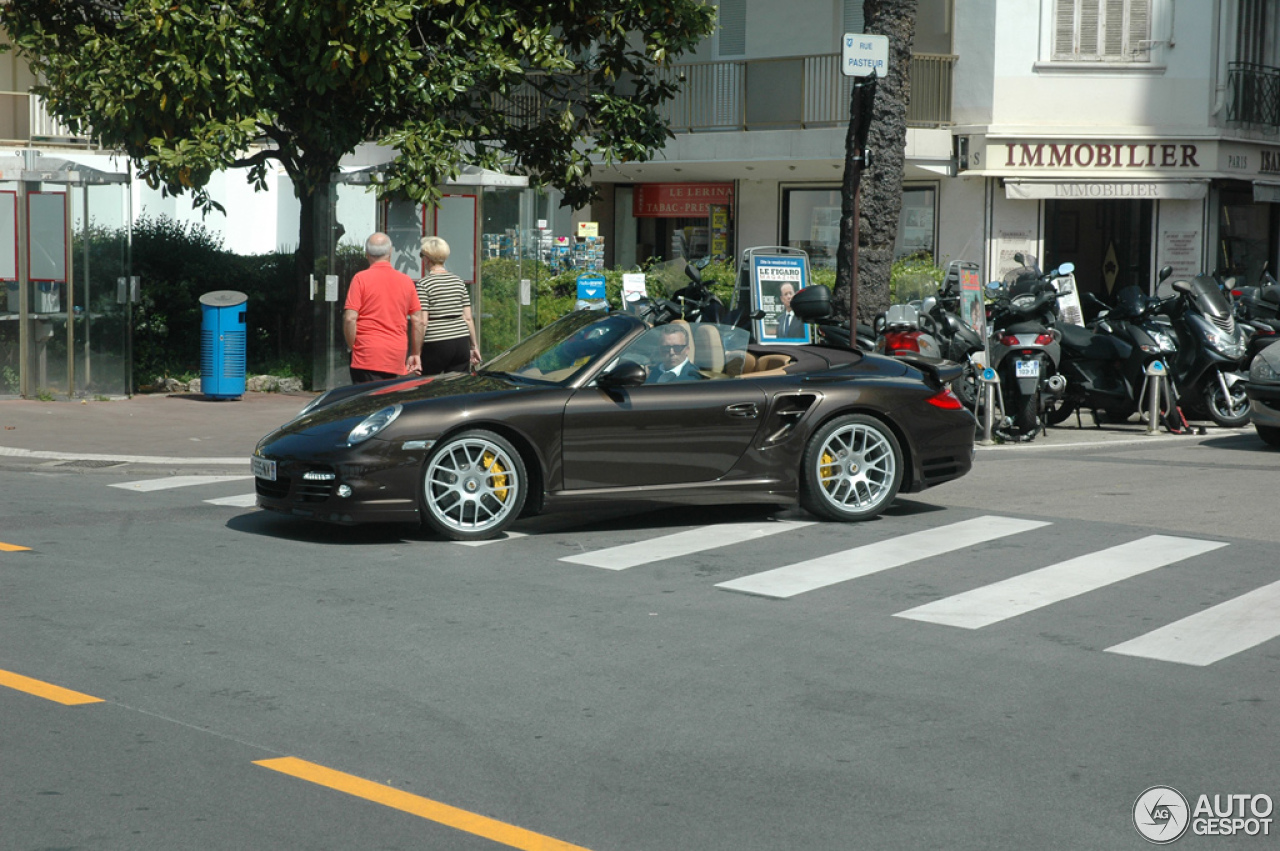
point(384, 299)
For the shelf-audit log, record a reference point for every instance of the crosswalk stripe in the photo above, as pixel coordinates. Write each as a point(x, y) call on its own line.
point(1030, 591)
point(1213, 634)
point(168, 482)
point(682, 544)
point(245, 500)
point(816, 573)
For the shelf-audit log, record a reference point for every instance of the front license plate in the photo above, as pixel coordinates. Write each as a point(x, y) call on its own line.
point(1027, 369)
point(264, 468)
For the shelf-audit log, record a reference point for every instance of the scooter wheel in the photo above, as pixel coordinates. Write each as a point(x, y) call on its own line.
point(1230, 412)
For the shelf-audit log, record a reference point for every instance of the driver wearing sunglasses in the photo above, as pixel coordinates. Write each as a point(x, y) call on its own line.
point(673, 354)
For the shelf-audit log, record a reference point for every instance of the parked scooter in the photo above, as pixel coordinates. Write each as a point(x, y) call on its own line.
point(1258, 309)
point(1025, 347)
point(1210, 362)
point(1106, 365)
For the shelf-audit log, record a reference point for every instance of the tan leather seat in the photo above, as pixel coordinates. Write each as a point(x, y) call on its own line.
point(709, 356)
point(771, 363)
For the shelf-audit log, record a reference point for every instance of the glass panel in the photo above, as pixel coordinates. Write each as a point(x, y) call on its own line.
point(505, 245)
point(100, 303)
point(46, 269)
point(10, 357)
point(811, 221)
point(915, 222)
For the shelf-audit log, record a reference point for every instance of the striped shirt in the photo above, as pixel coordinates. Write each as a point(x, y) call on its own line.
point(444, 296)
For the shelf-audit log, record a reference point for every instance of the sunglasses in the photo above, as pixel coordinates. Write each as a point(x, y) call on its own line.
point(672, 349)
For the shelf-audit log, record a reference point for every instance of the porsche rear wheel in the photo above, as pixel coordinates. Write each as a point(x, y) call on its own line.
point(473, 486)
point(852, 469)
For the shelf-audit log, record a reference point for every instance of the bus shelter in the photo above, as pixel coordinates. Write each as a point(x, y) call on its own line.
point(65, 271)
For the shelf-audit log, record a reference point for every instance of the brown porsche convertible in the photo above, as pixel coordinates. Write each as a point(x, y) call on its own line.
point(599, 406)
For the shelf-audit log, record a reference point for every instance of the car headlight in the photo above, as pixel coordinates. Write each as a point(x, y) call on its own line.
point(1260, 370)
point(373, 424)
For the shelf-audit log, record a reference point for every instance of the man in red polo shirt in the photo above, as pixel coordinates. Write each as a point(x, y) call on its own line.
point(381, 304)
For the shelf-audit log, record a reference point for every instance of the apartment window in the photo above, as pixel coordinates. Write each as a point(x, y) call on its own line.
point(731, 39)
point(1102, 31)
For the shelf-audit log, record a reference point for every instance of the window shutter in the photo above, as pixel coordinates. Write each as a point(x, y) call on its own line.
point(733, 28)
point(1090, 28)
point(1107, 30)
point(1138, 46)
point(854, 22)
point(1064, 30)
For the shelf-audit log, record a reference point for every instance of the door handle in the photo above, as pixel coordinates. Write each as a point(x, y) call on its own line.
point(746, 410)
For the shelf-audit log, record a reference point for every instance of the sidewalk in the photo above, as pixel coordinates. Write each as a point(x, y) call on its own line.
point(189, 432)
point(178, 431)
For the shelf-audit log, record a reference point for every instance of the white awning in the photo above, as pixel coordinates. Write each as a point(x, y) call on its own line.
point(1105, 190)
point(1266, 192)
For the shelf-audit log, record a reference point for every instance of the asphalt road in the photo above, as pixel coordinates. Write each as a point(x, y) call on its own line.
point(259, 682)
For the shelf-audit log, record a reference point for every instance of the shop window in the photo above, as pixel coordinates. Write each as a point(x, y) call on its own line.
point(1102, 31)
point(1244, 236)
point(916, 221)
point(811, 221)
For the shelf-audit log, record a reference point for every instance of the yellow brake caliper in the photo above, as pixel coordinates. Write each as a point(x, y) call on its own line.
point(828, 470)
point(497, 473)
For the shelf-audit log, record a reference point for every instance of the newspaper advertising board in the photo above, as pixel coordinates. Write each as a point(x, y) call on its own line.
point(775, 278)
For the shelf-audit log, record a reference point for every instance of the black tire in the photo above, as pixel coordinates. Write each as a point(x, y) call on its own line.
point(851, 469)
point(1026, 413)
point(474, 486)
point(966, 388)
point(1228, 413)
point(1270, 434)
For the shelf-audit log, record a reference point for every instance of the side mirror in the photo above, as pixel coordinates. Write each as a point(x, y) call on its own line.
point(1066, 268)
point(1165, 273)
point(929, 304)
point(993, 287)
point(1183, 287)
point(692, 272)
point(1020, 259)
point(812, 303)
point(625, 374)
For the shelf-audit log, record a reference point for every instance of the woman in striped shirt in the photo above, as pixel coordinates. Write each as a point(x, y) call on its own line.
point(450, 343)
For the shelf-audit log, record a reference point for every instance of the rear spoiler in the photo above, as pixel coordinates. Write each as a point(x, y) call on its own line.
point(937, 372)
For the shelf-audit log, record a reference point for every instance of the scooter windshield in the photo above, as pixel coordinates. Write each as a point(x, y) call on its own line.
point(1209, 298)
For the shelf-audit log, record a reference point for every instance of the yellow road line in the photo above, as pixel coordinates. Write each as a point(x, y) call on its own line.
point(57, 694)
point(506, 834)
point(11, 548)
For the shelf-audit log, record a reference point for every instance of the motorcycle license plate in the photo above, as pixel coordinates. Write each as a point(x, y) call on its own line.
point(1026, 369)
point(264, 468)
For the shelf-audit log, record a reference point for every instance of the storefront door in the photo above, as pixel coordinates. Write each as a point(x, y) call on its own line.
point(1108, 241)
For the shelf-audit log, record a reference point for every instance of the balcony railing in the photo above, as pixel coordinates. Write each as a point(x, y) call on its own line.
point(24, 120)
point(798, 91)
point(1253, 95)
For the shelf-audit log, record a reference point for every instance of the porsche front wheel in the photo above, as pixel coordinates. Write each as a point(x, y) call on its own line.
point(474, 486)
point(852, 469)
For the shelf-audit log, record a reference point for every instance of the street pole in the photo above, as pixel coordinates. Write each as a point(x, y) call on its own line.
point(861, 102)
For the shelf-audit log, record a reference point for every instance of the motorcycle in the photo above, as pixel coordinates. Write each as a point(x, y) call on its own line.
point(1025, 345)
point(1258, 309)
point(1106, 364)
point(1210, 361)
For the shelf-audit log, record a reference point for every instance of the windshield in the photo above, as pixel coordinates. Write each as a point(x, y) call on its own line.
point(559, 351)
point(1209, 297)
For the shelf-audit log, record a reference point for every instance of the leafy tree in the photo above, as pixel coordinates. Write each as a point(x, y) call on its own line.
point(190, 87)
point(881, 187)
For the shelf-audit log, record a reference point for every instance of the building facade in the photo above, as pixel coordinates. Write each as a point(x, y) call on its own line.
point(1121, 135)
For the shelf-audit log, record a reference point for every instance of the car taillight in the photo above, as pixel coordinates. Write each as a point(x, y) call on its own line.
point(1008, 339)
point(945, 399)
point(1044, 339)
point(902, 341)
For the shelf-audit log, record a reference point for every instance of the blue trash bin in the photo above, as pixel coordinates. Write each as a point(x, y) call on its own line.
point(222, 344)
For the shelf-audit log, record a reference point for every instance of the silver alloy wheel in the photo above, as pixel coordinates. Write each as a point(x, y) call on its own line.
point(474, 485)
point(855, 470)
